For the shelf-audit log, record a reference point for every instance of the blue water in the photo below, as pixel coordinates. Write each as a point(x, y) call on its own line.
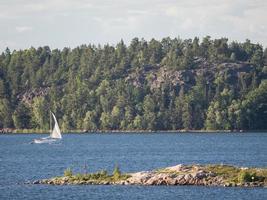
point(21, 162)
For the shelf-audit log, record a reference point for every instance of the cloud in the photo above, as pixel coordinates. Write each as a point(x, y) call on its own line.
point(22, 29)
point(63, 22)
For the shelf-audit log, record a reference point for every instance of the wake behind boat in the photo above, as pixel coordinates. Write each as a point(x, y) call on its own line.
point(55, 134)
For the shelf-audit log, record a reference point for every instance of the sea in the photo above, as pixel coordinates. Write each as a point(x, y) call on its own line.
point(22, 162)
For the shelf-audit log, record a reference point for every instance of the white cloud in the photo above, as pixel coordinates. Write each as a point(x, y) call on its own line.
point(101, 21)
point(22, 29)
point(172, 11)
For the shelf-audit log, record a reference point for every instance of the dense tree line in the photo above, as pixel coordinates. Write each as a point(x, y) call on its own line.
point(87, 87)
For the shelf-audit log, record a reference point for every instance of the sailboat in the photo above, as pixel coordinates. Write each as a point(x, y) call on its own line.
point(55, 133)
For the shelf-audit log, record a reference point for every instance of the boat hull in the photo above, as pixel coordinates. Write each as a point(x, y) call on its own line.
point(44, 140)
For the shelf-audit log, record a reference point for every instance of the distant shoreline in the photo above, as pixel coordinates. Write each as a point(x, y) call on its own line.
point(40, 131)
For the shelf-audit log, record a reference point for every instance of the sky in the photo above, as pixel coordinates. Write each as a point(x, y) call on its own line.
point(70, 23)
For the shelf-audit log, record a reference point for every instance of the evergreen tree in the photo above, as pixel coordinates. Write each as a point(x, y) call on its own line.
point(154, 85)
point(22, 117)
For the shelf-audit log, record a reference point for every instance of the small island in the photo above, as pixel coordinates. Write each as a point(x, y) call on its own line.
point(199, 175)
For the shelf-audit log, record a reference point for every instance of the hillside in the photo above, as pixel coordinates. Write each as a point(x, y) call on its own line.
point(149, 85)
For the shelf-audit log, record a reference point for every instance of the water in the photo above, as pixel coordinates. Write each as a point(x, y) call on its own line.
point(21, 162)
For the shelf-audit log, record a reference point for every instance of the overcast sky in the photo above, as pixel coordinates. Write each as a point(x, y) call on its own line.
point(69, 23)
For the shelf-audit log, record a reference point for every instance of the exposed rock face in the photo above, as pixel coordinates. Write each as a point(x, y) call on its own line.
point(6, 130)
point(176, 175)
point(28, 96)
point(156, 76)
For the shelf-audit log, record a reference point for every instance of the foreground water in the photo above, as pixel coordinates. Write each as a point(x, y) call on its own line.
point(21, 161)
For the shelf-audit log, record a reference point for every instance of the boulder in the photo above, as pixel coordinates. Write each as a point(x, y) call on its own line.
point(36, 182)
point(140, 177)
point(176, 168)
point(171, 181)
point(188, 178)
point(199, 175)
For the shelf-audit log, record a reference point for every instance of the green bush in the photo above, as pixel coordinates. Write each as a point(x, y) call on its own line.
point(116, 172)
point(79, 176)
point(245, 176)
point(96, 176)
point(103, 173)
point(68, 172)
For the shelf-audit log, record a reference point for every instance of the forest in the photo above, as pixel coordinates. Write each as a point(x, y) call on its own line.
point(172, 84)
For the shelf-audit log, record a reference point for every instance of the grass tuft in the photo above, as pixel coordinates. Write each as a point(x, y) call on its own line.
point(68, 172)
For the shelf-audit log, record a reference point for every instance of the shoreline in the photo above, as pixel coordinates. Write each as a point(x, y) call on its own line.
point(198, 175)
point(80, 131)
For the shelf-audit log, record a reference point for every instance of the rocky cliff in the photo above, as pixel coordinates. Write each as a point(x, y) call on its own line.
point(157, 75)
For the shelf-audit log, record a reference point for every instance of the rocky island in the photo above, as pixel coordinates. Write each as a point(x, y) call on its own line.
point(201, 175)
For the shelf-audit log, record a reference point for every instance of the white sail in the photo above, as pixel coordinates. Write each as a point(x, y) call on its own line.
point(56, 133)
